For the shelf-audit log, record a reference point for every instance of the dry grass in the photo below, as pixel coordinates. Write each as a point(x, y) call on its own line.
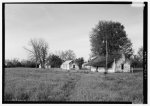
point(27, 84)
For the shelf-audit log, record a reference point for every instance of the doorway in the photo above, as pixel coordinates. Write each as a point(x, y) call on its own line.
point(122, 66)
point(73, 66)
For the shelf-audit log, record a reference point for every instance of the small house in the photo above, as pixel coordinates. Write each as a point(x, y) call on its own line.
point(47, 66)
point(69, 64)
point(115, 63)
point(86, 66)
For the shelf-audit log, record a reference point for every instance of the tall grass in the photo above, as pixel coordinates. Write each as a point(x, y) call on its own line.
point(38, 85)
point(29, 84)
point(112, 87)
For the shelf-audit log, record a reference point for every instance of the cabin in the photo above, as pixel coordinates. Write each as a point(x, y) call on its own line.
point(115, 63)
point(86, 66)
point(69, 64)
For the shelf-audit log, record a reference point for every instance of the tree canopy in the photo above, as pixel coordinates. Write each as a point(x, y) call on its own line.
point(79, 62)
point(116, 37)
point(54, 61)
point(140, 54)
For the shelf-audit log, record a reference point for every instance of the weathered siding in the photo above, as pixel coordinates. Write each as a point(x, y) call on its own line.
point(113, 68)
point(120, 65)
point(69, 66)
point(101, 69)
point(127, 67)
point(65, 66)
point(76, 66)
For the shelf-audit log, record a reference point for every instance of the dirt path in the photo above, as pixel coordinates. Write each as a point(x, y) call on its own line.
point(70, 86)
point(83, 89)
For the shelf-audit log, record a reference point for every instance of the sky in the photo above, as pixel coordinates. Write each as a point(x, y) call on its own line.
point(65, 26)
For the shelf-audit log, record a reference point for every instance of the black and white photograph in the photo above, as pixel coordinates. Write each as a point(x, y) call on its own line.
point(74, 52)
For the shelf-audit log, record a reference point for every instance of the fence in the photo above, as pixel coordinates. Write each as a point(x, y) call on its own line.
point(136, 69)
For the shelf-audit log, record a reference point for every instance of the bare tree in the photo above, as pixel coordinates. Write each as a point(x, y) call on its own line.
point(66, 55)
point(39, 51)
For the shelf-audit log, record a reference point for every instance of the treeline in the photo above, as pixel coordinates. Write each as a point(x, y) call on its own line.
point(54, 61)
point(17, 63)
point(137, 60)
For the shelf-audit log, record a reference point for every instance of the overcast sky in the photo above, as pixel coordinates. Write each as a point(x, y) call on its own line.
point(65, 26)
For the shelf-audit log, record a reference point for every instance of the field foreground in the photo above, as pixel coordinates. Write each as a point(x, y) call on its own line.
point(30, 84)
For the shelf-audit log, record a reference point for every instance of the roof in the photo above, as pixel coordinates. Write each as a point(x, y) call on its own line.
point(85, 63)
point(100, 61)
point(67, 61)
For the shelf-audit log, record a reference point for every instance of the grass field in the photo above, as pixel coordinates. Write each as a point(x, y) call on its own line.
point(29, 84)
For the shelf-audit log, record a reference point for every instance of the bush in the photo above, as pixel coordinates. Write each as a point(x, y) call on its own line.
point(17, 63)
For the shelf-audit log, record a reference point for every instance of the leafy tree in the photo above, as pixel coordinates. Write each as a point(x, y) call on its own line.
point(8, 63)
point(116, 37)
point(39, 51)
point(79, 62)
point(140, 54)
point(66, 55)
point(13, 63)
point(137, 60)
point(54, 61)
point(16, 63)
point(27, 63)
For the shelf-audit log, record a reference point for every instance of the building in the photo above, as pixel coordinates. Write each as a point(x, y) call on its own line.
point(115, 63)
point(86, 66)
point(47, 66)
point(69, 64)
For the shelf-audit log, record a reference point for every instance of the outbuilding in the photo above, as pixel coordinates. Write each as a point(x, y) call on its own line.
point(69, 64)
point(115, 63)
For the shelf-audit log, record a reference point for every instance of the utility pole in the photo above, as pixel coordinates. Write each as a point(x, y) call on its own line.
point(106, 56)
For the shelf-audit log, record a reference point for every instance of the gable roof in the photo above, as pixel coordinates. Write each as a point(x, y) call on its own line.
point(67, 62)
point(100, 61)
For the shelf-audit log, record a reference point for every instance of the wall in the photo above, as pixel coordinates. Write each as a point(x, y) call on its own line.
point(118, 64)
point(126, 67)
point(125, 63)
point(65, 66)
point(101, 69)
point(86, 66)
point(76, 66)
point(47, 66)
point(93, 69)
point(113, 68)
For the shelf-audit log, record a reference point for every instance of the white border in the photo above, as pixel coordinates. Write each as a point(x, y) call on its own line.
point(70, 1)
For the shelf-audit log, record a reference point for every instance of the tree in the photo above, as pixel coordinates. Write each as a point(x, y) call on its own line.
point(137, 60)
point(79, 62)
point(13, 63)
point(116, 37)
point(66, 55)
point(39, 51)
point(28, 63)
point(8, 63)
point(140, 54)
point(16, 63)
point(54, 61)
